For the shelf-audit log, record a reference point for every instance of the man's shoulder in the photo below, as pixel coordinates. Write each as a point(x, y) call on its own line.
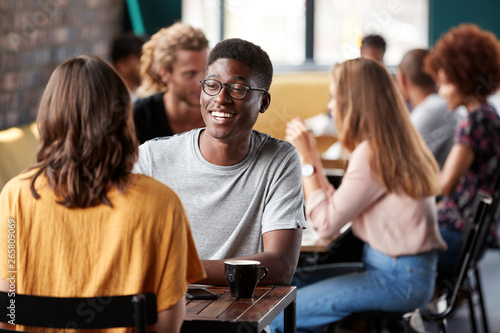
point(150, 102)
point(273, 152)
point(164, 142)
point(433, 112)
point(435, 103)
point(269, 143)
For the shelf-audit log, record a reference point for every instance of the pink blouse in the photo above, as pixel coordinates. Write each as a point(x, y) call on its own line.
point(392, 223)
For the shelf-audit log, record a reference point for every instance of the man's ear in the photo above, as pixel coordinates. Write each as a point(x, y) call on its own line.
point(119, 66)
point(402, 82)
point(265, 101)
point(164, 75)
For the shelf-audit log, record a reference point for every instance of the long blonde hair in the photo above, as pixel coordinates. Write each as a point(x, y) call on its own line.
point(160, 52)
point(369, 107)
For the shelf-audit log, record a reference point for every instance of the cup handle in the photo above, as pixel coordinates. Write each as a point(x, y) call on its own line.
point(265, 273)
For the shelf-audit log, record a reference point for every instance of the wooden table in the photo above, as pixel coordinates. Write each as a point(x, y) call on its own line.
point(229, 314)
point(344, 248)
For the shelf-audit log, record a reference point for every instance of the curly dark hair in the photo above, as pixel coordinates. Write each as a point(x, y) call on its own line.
point(470, 59)
point(248, 53)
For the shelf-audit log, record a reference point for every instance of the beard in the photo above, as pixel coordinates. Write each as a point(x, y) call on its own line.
point(186, 96)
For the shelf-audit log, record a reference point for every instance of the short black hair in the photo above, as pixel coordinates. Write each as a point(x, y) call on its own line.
point(412, 65)
point(248, 53)
point(126, 44)
point(374, 41)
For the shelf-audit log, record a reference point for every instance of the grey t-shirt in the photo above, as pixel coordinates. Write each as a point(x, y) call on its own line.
point(436, 124)
point(229, 207)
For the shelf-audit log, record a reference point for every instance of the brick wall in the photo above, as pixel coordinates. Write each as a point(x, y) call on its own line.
point(37, 35)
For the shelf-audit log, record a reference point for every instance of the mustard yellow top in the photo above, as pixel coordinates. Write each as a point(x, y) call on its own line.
point(141, 244)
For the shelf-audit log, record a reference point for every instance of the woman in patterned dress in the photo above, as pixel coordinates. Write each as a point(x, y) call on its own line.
point(465, 63)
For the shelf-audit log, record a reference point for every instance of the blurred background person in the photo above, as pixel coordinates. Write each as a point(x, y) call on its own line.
point(172, 65)
point(129, 233)
point(373, 47)
point(430, 115)
point(461, 62)
point(387, 193)
point(126, 52)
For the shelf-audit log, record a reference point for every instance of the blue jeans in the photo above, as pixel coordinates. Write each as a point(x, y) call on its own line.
point(386, 284)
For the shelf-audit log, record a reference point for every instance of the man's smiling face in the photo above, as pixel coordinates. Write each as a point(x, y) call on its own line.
point(226, 118)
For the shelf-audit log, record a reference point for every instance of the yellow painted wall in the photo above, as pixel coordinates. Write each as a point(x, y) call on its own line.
point(292, 95)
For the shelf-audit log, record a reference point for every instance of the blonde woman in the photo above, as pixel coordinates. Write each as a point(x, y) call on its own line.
point(387, 192)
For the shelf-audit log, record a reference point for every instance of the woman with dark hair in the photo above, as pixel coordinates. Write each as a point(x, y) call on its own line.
point(387, 192)
point(465, 62)
point(85, 225)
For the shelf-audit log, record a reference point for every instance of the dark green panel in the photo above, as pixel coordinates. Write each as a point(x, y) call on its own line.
point(444, 14)
point(157, 14)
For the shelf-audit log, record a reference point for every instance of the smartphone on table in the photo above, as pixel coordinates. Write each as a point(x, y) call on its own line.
point(200, 293)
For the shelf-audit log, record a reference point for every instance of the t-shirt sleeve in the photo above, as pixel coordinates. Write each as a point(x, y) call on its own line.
point(471, 131)
point(143, 163)
point(285, 200)
point(180, 264)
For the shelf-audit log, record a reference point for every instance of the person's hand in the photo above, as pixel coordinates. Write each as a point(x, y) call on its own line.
point(298, 135)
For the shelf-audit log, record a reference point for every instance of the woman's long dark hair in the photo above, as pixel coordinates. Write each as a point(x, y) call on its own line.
point(87, 134)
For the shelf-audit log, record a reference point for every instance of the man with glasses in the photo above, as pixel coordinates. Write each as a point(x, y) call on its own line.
point(242, 189)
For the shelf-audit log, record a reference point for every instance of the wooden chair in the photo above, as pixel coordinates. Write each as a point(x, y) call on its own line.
point(81, 312)
point(440, 309)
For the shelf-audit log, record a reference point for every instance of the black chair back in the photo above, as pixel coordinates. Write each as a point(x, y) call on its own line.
point(474, 243)
point(473, 246)
point(81, 312)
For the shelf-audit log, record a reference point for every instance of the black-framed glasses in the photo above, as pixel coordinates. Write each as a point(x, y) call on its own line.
point(213, 87)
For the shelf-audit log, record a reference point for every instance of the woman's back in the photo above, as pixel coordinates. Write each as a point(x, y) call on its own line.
point(98, 250)
point(480, 131)
point(141, 244)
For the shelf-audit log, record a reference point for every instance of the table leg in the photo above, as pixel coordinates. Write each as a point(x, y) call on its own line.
point(290, 318)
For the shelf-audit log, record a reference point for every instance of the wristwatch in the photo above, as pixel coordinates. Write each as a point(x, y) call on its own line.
point(308, 170)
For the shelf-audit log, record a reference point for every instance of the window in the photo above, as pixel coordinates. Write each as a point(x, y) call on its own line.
point(279, 26)
point(341, 24)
